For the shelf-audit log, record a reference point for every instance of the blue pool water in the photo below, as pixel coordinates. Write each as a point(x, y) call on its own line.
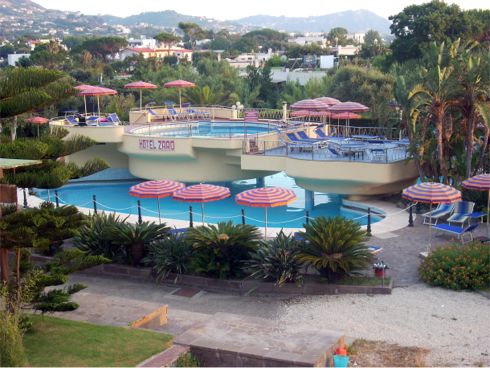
point(215, 129)
point(114, 197)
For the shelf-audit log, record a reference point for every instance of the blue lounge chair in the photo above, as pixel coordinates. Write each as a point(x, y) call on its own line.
point(113, 118)
point(191, 113)
point(294, 139)
point(375, 249)
point(444, 209)
point(175, 115)
point(155, 114)
point(302, 135)
point(461, 213)
point(72, 120)
point(320, 133)
point(460, 232)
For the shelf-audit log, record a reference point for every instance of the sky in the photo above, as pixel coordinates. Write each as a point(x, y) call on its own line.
point(228, 10)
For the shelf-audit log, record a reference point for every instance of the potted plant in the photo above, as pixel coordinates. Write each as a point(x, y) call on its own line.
point(380, 269)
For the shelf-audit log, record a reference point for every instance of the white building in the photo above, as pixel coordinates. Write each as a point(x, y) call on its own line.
point(281, 75)
point(349, 50)
point(150, 43)
point(309, 40)
point(12, 59)
point(254, 59)
point(147, 52)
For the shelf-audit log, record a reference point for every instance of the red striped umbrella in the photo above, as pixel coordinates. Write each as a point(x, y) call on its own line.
point(202, 193)
point(328, 100)
point(265, 197)
point(431, 193)
point(37, 120)
point(179, 83)
point(345, 115)
point(482, 183)
point(82, 87)
point(309, 104)
point(98, 91)
point(302, 113)
point(156, 189)
point(141, 86)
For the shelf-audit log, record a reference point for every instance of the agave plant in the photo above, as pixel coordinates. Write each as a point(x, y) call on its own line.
point(172, 254)
point(220, 249)
point(335, 247)
point(134, 237)
point(96, 237)
point(276, 260)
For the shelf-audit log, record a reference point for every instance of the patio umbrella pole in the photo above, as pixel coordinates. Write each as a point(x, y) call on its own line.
point(85, 104)
point(430, 229)
point(265, 229)
point(141, 99)
point(180, 99)
point(202, 213)
point(159, 216)
point(98, 105)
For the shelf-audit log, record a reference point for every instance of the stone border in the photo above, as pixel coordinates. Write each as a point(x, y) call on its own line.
point(243, 287)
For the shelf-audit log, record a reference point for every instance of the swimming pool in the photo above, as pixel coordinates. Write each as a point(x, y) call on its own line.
point(213, 129)
point(114, 197)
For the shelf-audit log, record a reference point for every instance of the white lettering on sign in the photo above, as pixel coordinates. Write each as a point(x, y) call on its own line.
point(156, 145)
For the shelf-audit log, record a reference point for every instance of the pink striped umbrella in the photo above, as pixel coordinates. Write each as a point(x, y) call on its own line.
point(266, 197)
point(348, 106)
point(98, 91)
point(345, 115)
point(309, 104)
point(202, 193)
point(328, 100)
point(156, 189)
point(482, 183)
point(307, 113)
point(179, 83)
point(82, 87)
point(141, 86)
point(431, 193)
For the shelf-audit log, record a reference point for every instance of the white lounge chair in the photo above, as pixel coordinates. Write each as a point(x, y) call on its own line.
point(442, 210)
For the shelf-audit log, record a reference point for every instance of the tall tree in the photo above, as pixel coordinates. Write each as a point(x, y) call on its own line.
point(167, 38)
point(24, 90)
point(192, 33)
point(373, 44)
point(337, 36)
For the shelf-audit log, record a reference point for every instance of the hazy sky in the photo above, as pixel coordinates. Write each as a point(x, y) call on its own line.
point(226, 9)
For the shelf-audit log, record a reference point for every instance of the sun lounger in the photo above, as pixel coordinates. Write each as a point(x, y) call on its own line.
point(72, 120)
point(302, 135)
point(320, 133)
point(375, 249)
point(113, 118)
point(460, 232)
point(175, 115)
point(442, 210)
point(155, 114)
point(461, 213)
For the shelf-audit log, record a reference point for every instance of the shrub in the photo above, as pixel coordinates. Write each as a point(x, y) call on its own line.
point(93, 166)
point(171, 255)
point(187, 360)
point(219, 250)
point(135, 237)
point(335, 247)
point(276, 260)
point(96, 238)
point(11, 347)
point(458, 267)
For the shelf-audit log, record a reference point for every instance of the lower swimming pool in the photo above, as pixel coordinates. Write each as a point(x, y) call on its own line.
point(114, 197)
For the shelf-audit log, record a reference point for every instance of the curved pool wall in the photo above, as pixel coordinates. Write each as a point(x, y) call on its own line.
point(113, 197)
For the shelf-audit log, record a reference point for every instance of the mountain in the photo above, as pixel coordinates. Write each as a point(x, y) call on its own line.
point(352, 20)
point(21, 17)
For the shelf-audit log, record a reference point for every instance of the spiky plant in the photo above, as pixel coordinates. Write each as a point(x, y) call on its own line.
point(134, 237)
point(276, 260)
point(335, 247)
point(172, 254)
point(96, 237)
point(220, 249)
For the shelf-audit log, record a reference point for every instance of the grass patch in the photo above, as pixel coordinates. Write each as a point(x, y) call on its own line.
point(364, 281)
point(64, 343)
point(366, 353)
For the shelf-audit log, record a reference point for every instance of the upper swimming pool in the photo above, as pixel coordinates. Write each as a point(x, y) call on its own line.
point(212, 129)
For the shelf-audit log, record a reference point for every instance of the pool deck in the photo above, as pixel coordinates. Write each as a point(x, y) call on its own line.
point(395, 219)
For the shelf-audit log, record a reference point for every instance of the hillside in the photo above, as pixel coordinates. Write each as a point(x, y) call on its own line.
point(352, 20)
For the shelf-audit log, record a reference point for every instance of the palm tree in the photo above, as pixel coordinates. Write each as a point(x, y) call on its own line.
point(437, 95)
point(473, 76)
point(24, 90)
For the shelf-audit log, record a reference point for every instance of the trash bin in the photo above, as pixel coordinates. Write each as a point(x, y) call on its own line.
point(340, 360)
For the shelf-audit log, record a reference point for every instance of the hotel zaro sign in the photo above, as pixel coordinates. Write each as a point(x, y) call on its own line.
point(156, 145)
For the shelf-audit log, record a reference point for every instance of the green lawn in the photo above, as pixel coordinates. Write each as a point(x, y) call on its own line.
point(60, 342)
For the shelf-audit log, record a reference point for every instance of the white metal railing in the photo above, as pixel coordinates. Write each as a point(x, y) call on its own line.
point(329, 150)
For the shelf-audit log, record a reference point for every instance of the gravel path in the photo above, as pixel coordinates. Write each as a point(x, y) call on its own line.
point(455, 326)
